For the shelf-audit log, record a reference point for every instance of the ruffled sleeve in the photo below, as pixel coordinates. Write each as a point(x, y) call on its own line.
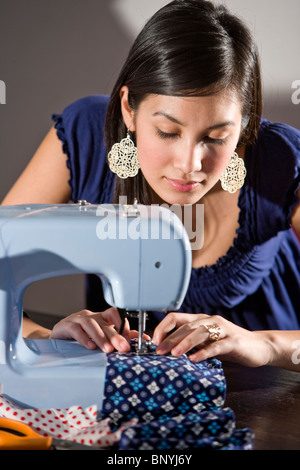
point(273, 166)
point(80, 127)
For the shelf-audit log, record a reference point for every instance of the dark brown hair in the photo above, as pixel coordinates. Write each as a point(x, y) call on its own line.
point(188, 48)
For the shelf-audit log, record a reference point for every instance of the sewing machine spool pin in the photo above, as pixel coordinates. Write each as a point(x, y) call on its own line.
point(130, 210)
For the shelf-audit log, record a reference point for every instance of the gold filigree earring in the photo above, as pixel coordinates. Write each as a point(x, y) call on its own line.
point(234, 176)
point(123, 158)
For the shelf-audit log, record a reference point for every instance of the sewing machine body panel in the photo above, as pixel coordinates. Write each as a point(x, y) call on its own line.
point(43, 241)
point(138, 272)
point(52, 241)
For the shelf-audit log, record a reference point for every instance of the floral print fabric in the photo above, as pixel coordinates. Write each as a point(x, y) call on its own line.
point(178, 404)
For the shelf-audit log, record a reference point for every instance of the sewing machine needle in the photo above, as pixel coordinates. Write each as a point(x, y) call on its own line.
point(142, 327)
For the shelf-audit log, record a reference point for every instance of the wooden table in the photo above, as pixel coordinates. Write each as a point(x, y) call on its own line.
point(267, 400)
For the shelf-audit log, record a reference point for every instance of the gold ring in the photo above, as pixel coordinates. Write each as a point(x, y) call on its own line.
point(214, 331)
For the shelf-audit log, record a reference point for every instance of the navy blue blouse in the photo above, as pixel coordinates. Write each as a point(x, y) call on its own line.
point(257, 283)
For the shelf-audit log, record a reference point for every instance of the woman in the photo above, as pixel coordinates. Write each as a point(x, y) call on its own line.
point(189, 96)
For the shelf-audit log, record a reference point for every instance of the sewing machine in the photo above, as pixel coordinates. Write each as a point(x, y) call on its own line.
point(142, 256)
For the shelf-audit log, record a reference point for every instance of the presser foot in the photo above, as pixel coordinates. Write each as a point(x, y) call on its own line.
point(146, 347)
point(140, 345)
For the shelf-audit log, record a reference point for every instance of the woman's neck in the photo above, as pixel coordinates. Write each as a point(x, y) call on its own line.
point(221, 214)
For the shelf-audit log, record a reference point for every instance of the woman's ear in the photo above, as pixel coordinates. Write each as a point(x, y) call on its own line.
point(127, 112)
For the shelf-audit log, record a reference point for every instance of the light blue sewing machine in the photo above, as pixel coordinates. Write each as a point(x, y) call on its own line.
point(142, 256)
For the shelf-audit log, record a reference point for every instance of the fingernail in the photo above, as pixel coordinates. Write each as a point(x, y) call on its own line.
point(177, 351)
point(123, 346)
point(106, 347)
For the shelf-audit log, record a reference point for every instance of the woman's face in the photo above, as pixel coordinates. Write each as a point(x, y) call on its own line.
point(185, 143)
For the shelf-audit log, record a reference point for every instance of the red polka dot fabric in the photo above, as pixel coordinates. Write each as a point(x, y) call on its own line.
point(76, 424)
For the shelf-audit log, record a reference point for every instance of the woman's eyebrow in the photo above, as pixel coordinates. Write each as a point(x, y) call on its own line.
point(168, 116)
point(221, 124)
point(176, 121)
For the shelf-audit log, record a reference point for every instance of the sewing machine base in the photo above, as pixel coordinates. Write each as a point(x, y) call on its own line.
point(64, 374)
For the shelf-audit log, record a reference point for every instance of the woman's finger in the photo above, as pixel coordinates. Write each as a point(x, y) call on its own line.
point(84, 329)
point(182, 340)
point(213, 349)
point(92, 330)
point(171, 321)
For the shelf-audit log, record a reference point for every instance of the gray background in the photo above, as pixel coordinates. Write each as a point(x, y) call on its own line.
point(53, 52)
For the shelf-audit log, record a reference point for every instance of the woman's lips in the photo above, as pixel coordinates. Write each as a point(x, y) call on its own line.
point(182, 186)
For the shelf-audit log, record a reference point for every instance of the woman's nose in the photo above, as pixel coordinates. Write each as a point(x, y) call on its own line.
point(189, 159)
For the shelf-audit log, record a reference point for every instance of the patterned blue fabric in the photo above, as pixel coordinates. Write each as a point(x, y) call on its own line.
point(206, 430)
point(178, 404)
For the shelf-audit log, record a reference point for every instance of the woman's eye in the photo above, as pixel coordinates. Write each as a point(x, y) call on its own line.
point(210, 140)
point(166, 135)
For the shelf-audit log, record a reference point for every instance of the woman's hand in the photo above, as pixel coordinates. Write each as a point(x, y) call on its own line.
point(95, 330)
point(235, 344)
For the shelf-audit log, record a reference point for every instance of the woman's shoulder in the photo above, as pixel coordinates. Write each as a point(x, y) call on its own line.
point(273, 175)
point(93, 106)
point(82, 119)
point(80, 127)
point(89, 102)
point(276, 134)
point(276, 153)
